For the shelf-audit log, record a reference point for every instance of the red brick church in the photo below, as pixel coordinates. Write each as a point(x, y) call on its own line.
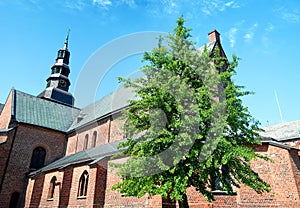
point(53, 154)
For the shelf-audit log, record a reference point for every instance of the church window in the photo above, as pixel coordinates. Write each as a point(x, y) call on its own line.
point(217, 183)
point(38, 158)
point(94, 138)
point(14, 199)
point(64, 71)
point(60, 54)
point(83, 183)
point(86, 141)
point(52, 187)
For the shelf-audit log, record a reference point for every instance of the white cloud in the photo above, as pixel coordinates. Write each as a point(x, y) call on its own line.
point(250, 33)
point(248, 36)
point(291, 17)
point(130, 3)
point(160, 7)
point(76, 5)
point(206, 11)
point(210, 6)
point(170, 6)
point(232, 36)
point(103, 3)
point(270, 28)
point(228, 4)
point(289, 13)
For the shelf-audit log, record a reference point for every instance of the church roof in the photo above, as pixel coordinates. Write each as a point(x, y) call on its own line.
point(104, 107)
point(1, 107)
point(45, 113)
point(40, 112)
point(284, 131)
point(92, 155)
point(209, 47)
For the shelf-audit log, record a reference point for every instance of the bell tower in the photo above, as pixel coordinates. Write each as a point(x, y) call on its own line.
point(58, 82)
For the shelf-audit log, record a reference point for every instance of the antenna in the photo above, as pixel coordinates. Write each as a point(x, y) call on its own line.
point(278, 105)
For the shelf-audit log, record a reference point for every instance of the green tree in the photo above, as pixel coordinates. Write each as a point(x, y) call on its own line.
point(188, 126)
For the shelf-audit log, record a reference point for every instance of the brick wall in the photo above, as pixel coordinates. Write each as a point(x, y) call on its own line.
point(27, 138)
point(37, 191)
point(280, 175)
point(66, 185)
point(109, 129)
point(114, 199)
point(100, 184)
point(283, 175)
point(5, 115)
point(87, 201)
point(5, 147)
point(116, 131)
point(29, 192)
point(46, 201)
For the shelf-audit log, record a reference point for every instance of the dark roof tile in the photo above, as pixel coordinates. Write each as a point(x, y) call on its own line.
point(105, 106)
point(284, 131)
point(40, 112)
point(89, 155)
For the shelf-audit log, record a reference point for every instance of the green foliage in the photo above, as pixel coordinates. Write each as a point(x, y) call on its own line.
point(188, 127)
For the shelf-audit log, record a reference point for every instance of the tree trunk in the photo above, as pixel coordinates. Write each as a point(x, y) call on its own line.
point(184, 203)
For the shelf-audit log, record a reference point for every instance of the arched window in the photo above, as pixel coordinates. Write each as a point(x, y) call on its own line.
point(38, 158)
point(83, 183)
point(14, 199)
point(52, 187)
point(94, 138)
point(86, 141)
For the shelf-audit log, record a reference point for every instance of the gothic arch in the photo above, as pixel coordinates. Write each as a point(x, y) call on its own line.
point(83, 184)
point(94, 138)
point(38, 158)
point(86, 141)
point(52, 187)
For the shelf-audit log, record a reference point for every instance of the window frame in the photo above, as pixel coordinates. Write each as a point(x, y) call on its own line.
point(94, 138)
point(83, 185)
point(51, 189)
point(86, 141)
point(38, 158)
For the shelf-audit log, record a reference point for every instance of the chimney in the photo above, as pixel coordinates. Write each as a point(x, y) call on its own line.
point(214, 36)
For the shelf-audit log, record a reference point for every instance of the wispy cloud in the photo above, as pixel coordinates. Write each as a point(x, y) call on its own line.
point(232, 36)
point(233, 32)
point(160, 7)
point(228, 4)
point(291, 17)
point(269, 28)
point(75, 5)
point(130, 3)
point(209, 7)
point(251, 32)
point(265, 39)
point(289, 14)
point(170, 6)
point(103, 3)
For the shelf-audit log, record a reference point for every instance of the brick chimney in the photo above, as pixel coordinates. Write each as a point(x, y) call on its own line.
point(214, 36)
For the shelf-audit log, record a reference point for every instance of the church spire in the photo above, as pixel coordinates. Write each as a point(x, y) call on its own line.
point(67, 40)
point(58, 83)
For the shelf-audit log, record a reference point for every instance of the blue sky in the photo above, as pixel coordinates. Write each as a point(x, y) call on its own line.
point(263, 33)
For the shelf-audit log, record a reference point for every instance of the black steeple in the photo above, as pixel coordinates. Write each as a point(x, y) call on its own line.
point(58, 83)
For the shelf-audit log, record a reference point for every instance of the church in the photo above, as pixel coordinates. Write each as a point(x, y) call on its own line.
point(54, 154)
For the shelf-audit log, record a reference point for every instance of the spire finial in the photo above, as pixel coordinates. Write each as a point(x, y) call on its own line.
point(67, 40)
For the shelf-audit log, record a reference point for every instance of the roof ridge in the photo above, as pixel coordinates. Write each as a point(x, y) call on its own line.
point(43, 100)
point(282, 124)
point(105, 96)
